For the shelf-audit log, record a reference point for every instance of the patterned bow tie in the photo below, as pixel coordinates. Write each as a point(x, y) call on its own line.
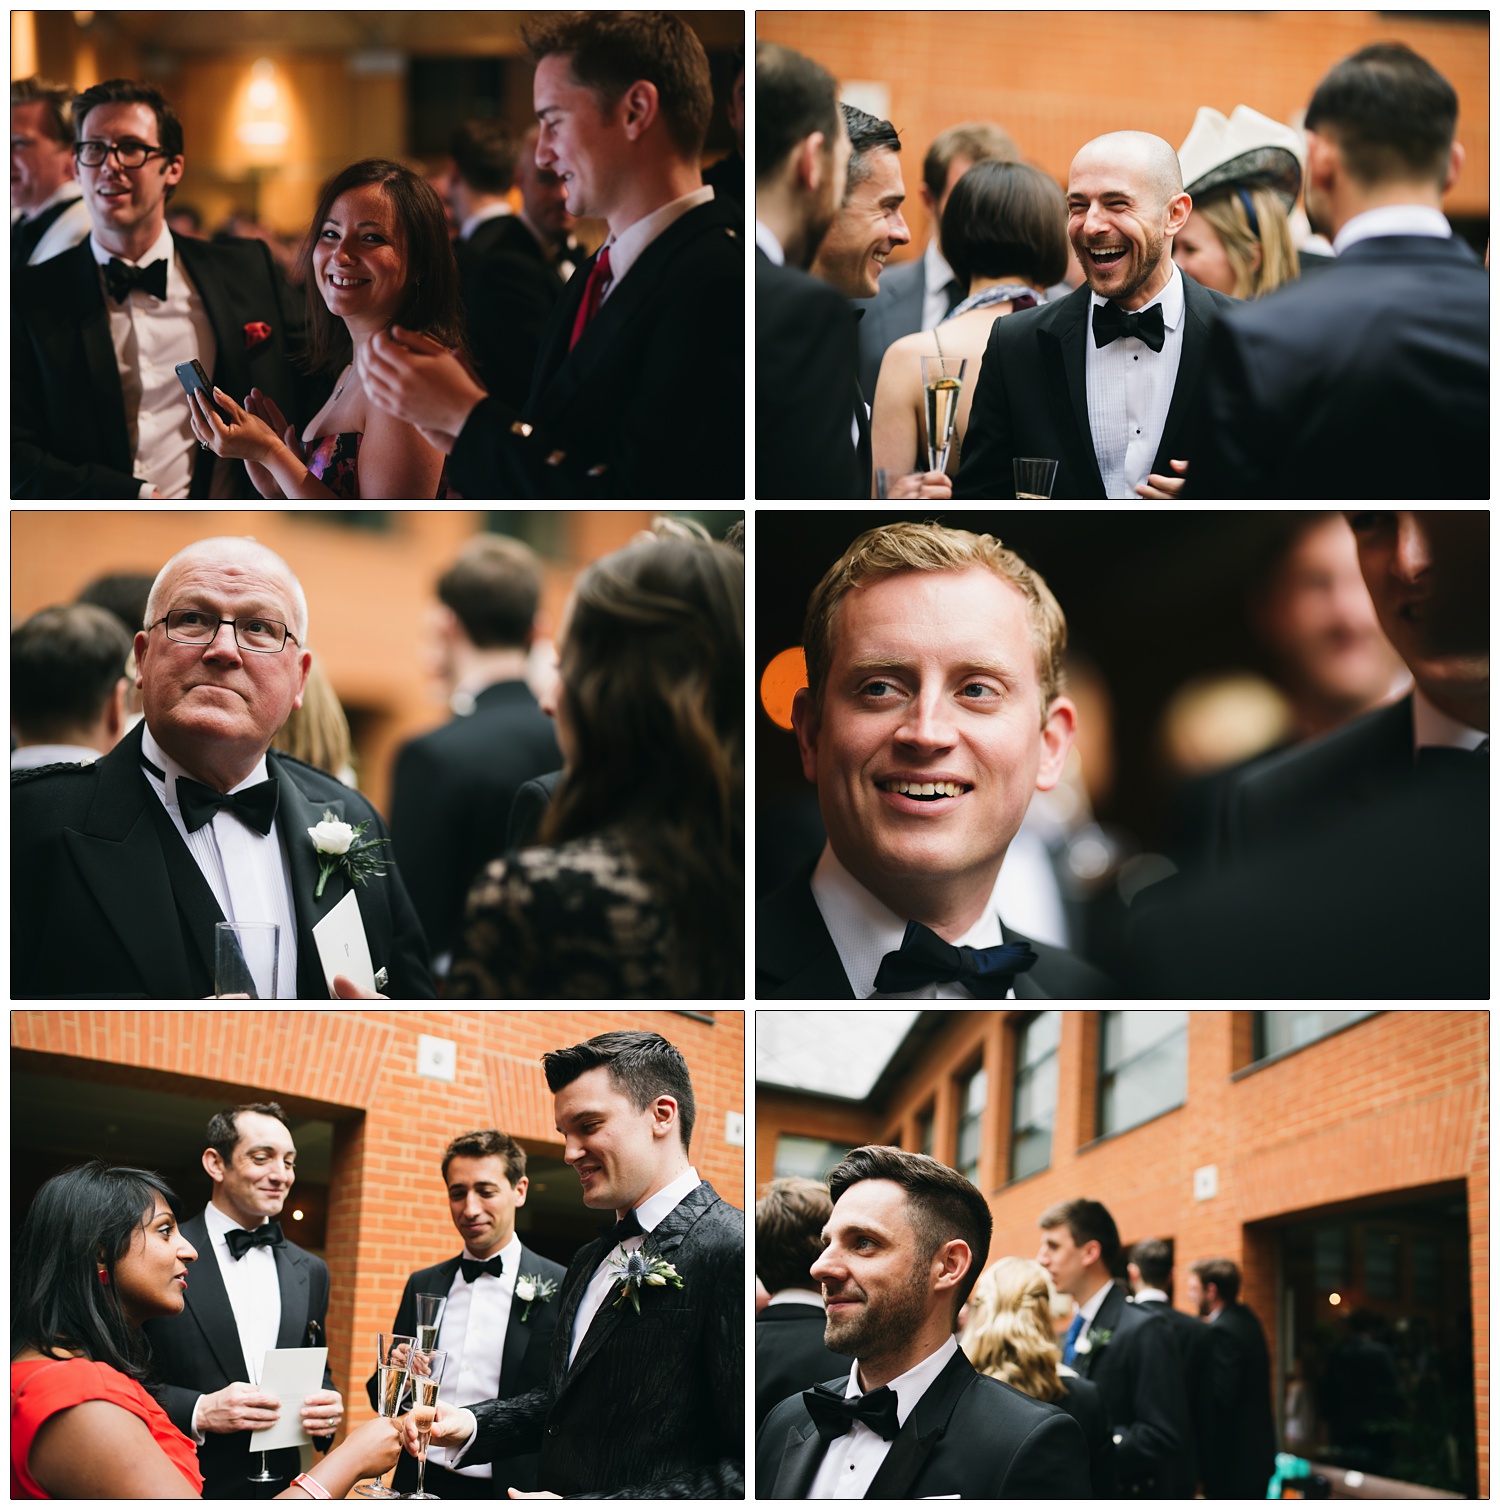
point(833, 1414)
point(120, 278)
point(924, 959)
point(629, 1225)
point(255, 805)
point(474, 1267)
point(267, 1235)
point(1110, 324)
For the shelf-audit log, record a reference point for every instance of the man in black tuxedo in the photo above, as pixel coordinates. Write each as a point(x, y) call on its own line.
point(917, 294)
point(251, 1290)
point(1106, 381)
point(804, 333)
point(128, 863)
point(498, 1324)
point(727, 176)
point(645, 1398)
point(454, 787)
point(509, 283)
point(790, 1354)
point(911, 1418)
point(1150, 1273)
point(96, 408)
point(924, 773)
point(639, 391)
point(1240, 1452)
point(1376, 374)
point(47, 213)
point(1126, 1351)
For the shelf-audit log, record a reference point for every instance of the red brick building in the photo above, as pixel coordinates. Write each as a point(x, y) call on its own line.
point(1341, 1159)
point(370, 1110)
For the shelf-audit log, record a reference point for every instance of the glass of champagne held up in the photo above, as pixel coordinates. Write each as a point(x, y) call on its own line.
point(942, 385)
point(392, 1362)
point(426, 1381)
point(430, 1310)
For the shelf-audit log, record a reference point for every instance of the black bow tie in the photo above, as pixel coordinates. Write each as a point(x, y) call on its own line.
point(267, 1235)
point(1111, 323)
point(924, 959)
point(255, 805)
point(474, 1267)
point(833, 1415)
point(629, 1225)
point(120, 278)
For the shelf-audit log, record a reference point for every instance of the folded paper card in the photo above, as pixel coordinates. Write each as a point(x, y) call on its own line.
point(343, 948)
point(291, 1374)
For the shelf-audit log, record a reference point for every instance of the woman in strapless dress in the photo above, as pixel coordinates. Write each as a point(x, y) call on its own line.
point(378, 252)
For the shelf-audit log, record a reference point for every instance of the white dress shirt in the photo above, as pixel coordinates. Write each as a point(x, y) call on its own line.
point(247, 871)
point(71, 227)
point(864, 930)
point(475, 1322)
point(28, 757)
point(1129, 390)
point(151, 336)
point(254, 1295)
point(478, 218)
point(1147, 1293)
point(766, 240)
point(650, 1214)
point(1392, 220)
point(1431, 726)
point(851, 1462)
point(625, 249)
point(797, 1297)
point(936, 276)
point(1090, 1308)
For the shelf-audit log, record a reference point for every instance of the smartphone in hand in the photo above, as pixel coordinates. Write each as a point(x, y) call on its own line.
point(191, 375)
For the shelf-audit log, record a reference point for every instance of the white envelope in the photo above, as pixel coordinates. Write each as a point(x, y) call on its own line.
point(291, 1374)
point(343, 948)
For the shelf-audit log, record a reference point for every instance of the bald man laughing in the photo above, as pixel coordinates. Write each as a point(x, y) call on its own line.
point(1105, 382)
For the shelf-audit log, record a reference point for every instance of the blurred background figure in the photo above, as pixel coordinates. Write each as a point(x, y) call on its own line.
point(637, 889)
point(1009, 1336)
point(67, 685)
point(47, 212)
point(454, 787)
point(1244, 174)
point(1005, 240)
point(184, 220)
point(727, 176)
point(284, 250)
point(544, 210)
point(790, 1355)
point(124, 594)
point(917, 294)
point(318, 731)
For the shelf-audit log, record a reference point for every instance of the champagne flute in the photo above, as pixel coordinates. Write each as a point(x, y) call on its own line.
point(426, 1381)
point(1035, 476)
point(942, 383)
point(390, 1385)
point(430, 1310)
point(265, 1476)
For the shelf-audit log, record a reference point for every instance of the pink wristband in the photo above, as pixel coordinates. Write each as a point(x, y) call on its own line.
point(314, 1489)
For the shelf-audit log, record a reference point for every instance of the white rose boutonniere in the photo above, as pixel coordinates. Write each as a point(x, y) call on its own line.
point(1082, 1346)
point(342, 846)
point(631, 1271)
point(532, 1288)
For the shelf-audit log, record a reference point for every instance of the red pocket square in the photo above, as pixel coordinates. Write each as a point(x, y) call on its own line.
point(257, 333)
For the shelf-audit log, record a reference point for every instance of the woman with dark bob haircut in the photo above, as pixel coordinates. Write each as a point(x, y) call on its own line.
point(637, 889)
point(1005, 235)
point(100, 1253)
point(378, 254)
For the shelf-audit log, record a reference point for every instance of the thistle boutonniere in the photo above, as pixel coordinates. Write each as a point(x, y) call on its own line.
point(1090, 1340)
point(532, 1288)
point(633, 1270)
point(341, 846)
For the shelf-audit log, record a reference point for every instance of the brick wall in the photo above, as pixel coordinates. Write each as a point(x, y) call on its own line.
point(1055, 79)
point(357, 1068)
point(1396, 1103)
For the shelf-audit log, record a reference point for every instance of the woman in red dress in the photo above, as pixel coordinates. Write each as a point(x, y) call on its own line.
point(100, 1252)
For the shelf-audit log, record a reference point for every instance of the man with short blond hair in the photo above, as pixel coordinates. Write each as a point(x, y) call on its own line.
point(934, 709)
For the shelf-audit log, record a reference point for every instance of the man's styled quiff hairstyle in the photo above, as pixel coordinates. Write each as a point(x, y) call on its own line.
point(940, 1203)
point(1087, 1222)
point(789, 1222)
point(642, 1066)
point(488, 1143)
point(909, 546)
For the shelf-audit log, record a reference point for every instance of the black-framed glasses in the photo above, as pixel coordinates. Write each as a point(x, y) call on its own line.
point(191, 626)
point(129, 154)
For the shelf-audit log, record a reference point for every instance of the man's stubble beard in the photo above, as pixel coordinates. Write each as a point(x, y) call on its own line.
point(888, 1330)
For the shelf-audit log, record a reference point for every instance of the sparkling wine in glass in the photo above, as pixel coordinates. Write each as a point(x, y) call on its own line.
point(426, 1383)
point(942, 384)
point(430, 1310)
point(392, 1362)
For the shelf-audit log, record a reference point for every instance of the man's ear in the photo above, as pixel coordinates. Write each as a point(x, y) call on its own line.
point(642, 107)
point(213, 1162)
point(521, 1187)
point(664, 1117)
point(950, 1263)
point(1179, 207)
point(1322, 161)
point(1455, 166)
point(810, 161)
point(805, 723)
point(1091, 1257)
point(1058, 729)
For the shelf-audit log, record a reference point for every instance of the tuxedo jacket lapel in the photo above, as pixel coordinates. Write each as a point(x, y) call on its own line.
point(602, 1324)
point(291, 1274)
point(106, 396)
point(295, 814)
point(1106, 1319)
point(916, 1439)
point(800, 1459)
point(517, 1336)
point(1063, 369)
point(793, 945)
point(208, 1303)
point(1198, 315)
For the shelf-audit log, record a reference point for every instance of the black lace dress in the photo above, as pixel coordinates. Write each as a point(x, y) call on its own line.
point(575, 921)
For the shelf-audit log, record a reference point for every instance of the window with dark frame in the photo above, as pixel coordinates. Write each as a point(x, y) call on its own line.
point(972, 1090)
point(1142, 1067)
point(1282, 1032)
point(924, 1129)
point(1034, 1102)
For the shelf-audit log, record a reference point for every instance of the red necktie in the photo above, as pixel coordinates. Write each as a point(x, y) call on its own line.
point(593, 293)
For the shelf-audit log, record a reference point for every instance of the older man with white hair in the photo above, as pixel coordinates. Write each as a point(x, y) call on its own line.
point(121, 869)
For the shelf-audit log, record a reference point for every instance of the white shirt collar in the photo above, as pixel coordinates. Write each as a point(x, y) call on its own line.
point(768, 243)
point(30, 756)
point(1392, 220)
point(65, 193)
point(159, 757)
point(478, 218)
point(625, 249)
point(1172, 299)
point(1090, 1310)
point(1147, 1293)
point(795, 1297)
point(937, 272)
point(162, 247)
point(864, 930)
point(914, 1383)
point(655, 1210)
point(1431, 726)
point(218, 1223)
